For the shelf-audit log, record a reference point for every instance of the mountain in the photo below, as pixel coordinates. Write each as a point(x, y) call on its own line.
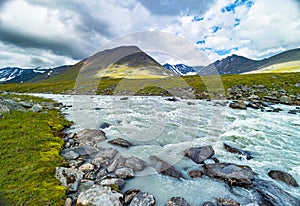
point(181, 69)
point(235, 64)
point(16, 75)
point(19, 75)
point(120, 62)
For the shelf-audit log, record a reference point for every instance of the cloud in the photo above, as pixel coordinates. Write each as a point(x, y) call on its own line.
point(66, 32)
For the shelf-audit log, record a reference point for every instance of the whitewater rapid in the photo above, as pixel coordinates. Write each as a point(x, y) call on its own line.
point(165, 129)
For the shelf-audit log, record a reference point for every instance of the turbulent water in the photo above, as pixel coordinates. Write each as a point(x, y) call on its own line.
point(165, 129)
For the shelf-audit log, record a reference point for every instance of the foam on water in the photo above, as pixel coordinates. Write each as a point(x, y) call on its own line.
point(166, 129)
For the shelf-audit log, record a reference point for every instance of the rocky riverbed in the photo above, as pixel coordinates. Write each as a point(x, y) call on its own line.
point(147, 150)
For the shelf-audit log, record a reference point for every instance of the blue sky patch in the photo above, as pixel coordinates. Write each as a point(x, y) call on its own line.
point(200, 42)
point(196, 18)
point(222, 52)
point(216, 28)
point(231, 7)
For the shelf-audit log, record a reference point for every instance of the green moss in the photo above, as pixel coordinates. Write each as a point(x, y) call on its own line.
point(29, 154)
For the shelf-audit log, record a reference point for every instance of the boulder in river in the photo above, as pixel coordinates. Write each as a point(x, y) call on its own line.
point(284, 177)
point(165, 168)
point(129, 195)
point(227, 202)
point(241, 154)
point(232, 174)
point(142, 199)
point(98, 195)
point(90, 137)
point(104, 125)
point(131, 162)
point(177, 201)
point(200, 154)
point(271, 194)
point(125, 173)
point(238, 105)
point(120, 142)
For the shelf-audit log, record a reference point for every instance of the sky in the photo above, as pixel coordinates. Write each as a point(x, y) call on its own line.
point(50, 33)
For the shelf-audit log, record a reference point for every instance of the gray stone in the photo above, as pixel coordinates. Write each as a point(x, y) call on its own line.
point(120, 142)
point(70, 155)
point(135, 163)
point(208, 204)
point(227, 202)
point(241, 153)
point(69, 177)
point(199, 154)
point(104, 155)
point(113, 166)
point(238, 105)
point(129, 195)
point(284, 177)
point(125, 173)
point(68, 202)
point(85, 150)
point(4, 109)
point(90, 137)
point(285, 100)
point(104, 125)
point(232, 174)
point(142, 199)
point(26, 104)
point(195, 173)
point(177, 201)
point(98, 195)
point(165, 168)
point(36, 108)
point(297, 85)
point(113, 181)
point(86, 167)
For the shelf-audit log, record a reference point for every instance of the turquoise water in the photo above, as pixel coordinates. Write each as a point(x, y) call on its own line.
point(166, 129)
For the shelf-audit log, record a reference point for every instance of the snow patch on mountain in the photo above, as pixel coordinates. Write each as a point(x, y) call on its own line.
point(181, 69)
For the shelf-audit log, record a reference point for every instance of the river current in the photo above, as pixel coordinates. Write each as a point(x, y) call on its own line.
point(165, 129)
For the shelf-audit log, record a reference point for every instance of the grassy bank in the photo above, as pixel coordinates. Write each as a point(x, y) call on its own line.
point(199, 84)
point(29, 153)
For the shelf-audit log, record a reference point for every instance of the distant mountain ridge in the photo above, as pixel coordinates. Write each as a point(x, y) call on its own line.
point(19, 75)
point(132, 62)
point(181, 69)
point(235, 64)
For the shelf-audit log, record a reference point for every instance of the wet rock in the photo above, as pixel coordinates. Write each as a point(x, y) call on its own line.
point(271, 194)
point(90, 137)
point(292, 111)
point(112, 167)
point(135, 163)
point(227, 202)
point(208, 204)
point(120, 142)
point(253, 105)
point(124, 98)
point(271, 99)
point(241, 154)
point(69, 177)
point(84, 150)
point(177, 201)
point(104, 125)
point(232, 174)
point(129, 195)
point(277, 110)
point(68, 202)
point(285, 99)
point(105, 154)
point(125, 173)
point(4, 109)
point(142, 199)
point(238, 105)
point(284, 177)
point(199, 154)
point(98, 195)
point(86, 167)
point(165, 168)
point(172, 99)
point(113, 181)
point(70, 155)
point(195, 173)
point(36, 108)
